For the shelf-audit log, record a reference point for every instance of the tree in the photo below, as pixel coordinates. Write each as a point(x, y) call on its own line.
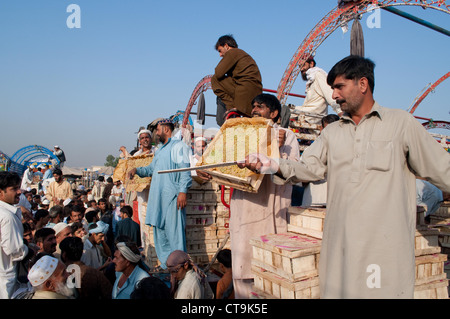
point(111, 161)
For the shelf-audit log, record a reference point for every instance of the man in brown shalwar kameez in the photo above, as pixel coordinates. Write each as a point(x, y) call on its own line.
point(371, 156)
point(236, 80)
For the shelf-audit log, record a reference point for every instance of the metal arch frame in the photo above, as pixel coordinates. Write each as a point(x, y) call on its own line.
point(203, 85)
point(431, 88)
point(436, 124)
point(28, 153)
point(335, 18)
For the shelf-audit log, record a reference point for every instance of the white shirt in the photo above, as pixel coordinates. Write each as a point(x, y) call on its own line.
point(318, 96)
point(12, 247)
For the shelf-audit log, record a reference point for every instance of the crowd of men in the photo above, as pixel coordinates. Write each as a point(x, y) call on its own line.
point(368, 156)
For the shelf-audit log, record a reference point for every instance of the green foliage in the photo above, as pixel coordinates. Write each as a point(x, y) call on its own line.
point(111, 161)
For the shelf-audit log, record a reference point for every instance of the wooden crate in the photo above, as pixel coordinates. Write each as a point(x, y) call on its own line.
point(200, 209)
point(201, 232)
point(427, 241)
point(306, 221)
point(202, 246)
point(443, 210)
point(430, 268)
point(291, 256)
point(281, 288)
point(249, 184)
point(201, 197)
point(204, 186)
point(434, 290)
point(204, 220)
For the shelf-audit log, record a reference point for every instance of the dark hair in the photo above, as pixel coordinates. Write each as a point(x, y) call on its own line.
point(226, 39)
point(127, 210)
point(75, 226)
point(311, 59)
point(56, 210)
point(78, 209)
point(109, 180)
point(40, 213)
point(170, 125)
point(330, 118)
point(43, 233)
point(353, 67)
point(101, 178)
point(73, 247)
point(224, 257)
point(151, 288)
point(89, 216)
point(26, 227)
point(270, 101)
point(102, 200)
point(8, 179)
point(57, 171)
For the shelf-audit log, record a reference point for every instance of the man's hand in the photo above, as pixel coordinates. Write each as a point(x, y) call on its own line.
point(131, 173)
point(260, 164)
point(203, 175)
point(281, 137)
point(181, 201)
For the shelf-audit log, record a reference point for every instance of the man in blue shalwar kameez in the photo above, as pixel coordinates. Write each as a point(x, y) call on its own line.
point(167, 195)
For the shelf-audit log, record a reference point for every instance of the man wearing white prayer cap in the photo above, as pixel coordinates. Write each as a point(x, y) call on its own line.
point(145, 148)
point(48, 277)
point(200, 143)
point(96, 251)
point(62, 230)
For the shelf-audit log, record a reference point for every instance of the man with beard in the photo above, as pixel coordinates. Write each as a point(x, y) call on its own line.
point(264, 212)
point(12, 246)
point(145, 148)
point(45, 239)
point(59, 190)
point(371, 157)
point(318, 93)
point(48, 276)
point(199, 148)
point(167, 195)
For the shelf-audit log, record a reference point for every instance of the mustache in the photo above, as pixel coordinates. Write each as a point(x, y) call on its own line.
point(340, 101)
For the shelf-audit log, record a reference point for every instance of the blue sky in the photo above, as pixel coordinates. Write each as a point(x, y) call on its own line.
point(90, 89)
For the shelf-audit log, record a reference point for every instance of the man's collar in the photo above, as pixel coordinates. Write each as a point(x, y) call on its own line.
point(376, 110)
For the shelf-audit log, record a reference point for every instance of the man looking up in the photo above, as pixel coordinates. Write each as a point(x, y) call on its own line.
point(12, 247)
point(167, 195)
point(236, 80)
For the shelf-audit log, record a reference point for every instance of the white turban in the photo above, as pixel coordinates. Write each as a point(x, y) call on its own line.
point(127, 253)
point(59, 227)
point(200, 138)
point(67, 202)
point(144, 131)
point(42, 270)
